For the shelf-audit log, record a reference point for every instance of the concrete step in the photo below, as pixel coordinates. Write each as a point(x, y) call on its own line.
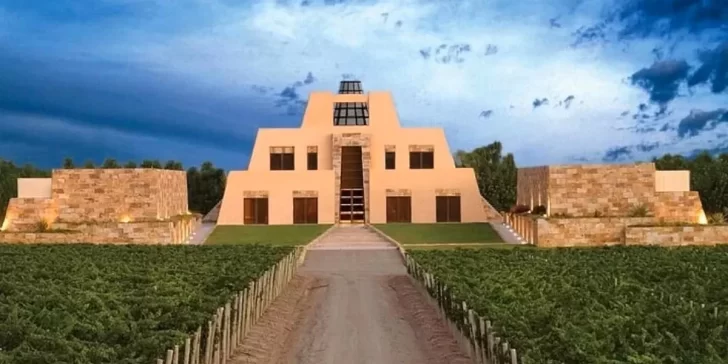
point(352, 237)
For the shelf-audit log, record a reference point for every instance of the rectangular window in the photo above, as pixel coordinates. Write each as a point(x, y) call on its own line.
point(255, 211)
point(281, 159)
point(399, 209)
point(422, 160)
point(351, 113)
point(312, 161)
point(389, 160)
point(305, 210)
point(447, 208)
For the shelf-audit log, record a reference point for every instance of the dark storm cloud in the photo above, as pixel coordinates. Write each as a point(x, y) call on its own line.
point(713, 70)
point(289, 98)
point(698, 121)
point(640, 18)
point(617, 153)
point(662, 79)
point(625, 152)
point(124, 97)
point(486, 114)
point(540, 102)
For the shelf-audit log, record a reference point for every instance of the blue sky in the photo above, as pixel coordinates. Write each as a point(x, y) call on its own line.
point(555, 81)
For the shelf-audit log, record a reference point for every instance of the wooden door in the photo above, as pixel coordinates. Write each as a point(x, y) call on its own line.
point(399, 209)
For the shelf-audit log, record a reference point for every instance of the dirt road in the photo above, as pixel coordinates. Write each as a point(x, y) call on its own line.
point(366, 310)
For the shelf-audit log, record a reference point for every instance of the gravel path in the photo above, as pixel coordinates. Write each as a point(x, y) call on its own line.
point(366, 310)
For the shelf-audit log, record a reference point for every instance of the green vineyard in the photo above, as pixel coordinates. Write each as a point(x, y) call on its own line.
point(636, 305)
point(115, 304)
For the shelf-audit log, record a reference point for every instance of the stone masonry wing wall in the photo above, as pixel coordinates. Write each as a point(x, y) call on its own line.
point(677, 207)
point(532, 186)
point(111, 194)
point(580, 190)
point(23, 214)
point(677, 235)
point(591, 231)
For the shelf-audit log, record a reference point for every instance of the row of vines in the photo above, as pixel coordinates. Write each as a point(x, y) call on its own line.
point(115, 304)
point(638, 305)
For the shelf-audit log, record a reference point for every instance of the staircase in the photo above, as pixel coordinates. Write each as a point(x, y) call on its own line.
point(352, 237)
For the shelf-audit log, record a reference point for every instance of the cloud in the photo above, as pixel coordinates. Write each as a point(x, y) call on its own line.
point(662, 79)
point(699, 121)
point(540, 102)
point(486, 114)
point(713, 70)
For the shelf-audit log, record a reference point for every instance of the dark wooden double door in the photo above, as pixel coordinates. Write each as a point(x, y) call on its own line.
point(305, 210)
point(399, 209)
point(351, 204)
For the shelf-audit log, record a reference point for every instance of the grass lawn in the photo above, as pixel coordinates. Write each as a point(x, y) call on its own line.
point(265, 234)
point(441, 233)
point(466, 246)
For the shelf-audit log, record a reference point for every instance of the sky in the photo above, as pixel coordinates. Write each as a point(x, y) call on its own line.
point(558, 81)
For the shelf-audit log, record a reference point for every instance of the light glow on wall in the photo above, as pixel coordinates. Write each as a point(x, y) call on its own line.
point(702, 219)
point(5, 224)
point(125, 219)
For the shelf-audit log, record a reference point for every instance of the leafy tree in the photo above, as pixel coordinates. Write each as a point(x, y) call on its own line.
point(174, 165)
point(89, 164)
point(68, 163)
point(148, 163)
point(110, 163)
point(130, 164)
point(708, 176)
point(495, 173)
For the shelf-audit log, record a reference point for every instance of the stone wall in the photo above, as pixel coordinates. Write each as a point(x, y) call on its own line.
point(532, 186)
point(677, 235)
point(677, 206)
point(580, 190)
point(596, 231)
point(26, 213)
point(176, 231)
point(112, 194)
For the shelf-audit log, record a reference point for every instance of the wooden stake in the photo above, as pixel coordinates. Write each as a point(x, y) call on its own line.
point(175, 355)
point(188, 349)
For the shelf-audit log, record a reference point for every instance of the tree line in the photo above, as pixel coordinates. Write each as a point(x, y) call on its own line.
point(497, 174)
point(205, 185)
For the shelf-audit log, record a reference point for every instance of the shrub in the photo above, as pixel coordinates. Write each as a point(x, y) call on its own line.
point(716, 218)
point(539, 210)
point(520, 209)
point(41, 226)
point(639, 211)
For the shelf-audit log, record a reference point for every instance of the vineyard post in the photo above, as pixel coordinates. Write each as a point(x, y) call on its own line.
point(196, 346)
point(482, 340)
point(208, 341)
point(234, 325)
point(489, 339)
point(473, 333)
point(175, 355)
point(514, 356)
point(496, 354)
point(160, 361)
point(188, 343)
point(465, 329)
point(219, 334)
point(239, 323)
point(248, 293)
point(506, 350)
point(256, 298)
point(225, 332)
point(170, 354)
